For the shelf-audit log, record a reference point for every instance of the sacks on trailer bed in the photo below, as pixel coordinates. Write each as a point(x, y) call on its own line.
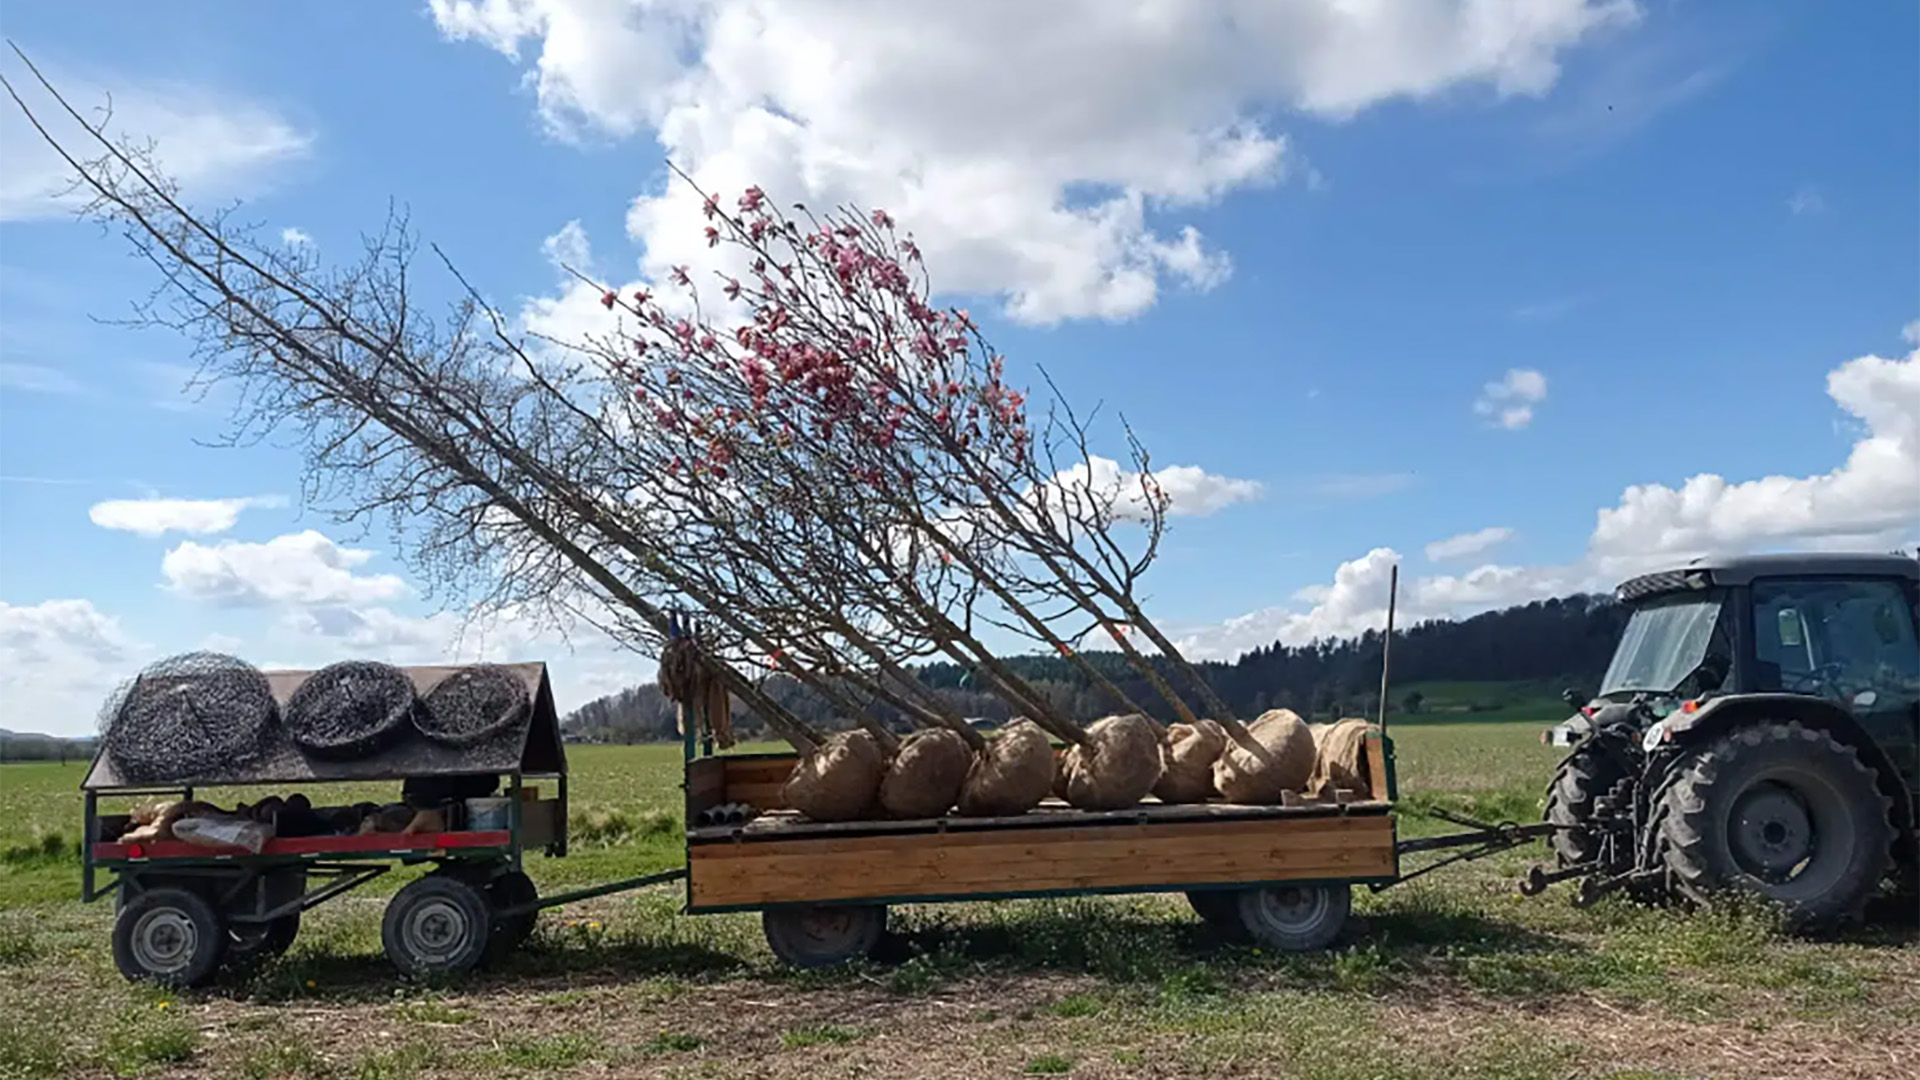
point(1116, 766)
point(839, 780)
point(1010, 776)
point(1190, 753)
point(1284, 761)
point(1340, 756)
point(924, 778)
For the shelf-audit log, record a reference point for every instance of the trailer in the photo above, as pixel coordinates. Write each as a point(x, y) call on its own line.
point(1281, 876)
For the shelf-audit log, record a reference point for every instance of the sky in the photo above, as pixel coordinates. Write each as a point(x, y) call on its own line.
point(1522, 297)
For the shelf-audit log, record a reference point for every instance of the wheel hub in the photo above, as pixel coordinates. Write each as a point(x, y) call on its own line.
point(1292, 907)
point(1772, 833)
point(165, 940)
point(436, 929)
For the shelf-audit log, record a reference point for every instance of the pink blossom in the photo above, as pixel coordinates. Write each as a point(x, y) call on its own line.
point(712, 206)
point(752, 199)
point(609, 299)
point(733, 288)
point(713, 236)
point(680, 276)
point(882, 219)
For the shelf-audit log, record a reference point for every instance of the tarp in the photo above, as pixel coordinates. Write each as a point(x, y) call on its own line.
point(531, 746)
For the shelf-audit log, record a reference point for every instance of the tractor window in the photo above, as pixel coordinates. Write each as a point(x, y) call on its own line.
point(1672, 643)
point(1851, 641)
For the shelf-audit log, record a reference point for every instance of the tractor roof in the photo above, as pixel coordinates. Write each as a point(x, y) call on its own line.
point(1744, 569)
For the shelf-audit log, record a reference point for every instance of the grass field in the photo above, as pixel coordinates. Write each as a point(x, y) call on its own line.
point(1450, 976)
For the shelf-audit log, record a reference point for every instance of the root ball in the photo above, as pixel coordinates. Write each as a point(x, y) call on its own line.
point(1190, 753)
point(840, 780)
point(1011, 775)
point(1284, 763)
point(1116, 766)
point(924, 778)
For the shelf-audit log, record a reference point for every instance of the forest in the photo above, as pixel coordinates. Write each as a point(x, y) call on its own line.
point(1565, 641)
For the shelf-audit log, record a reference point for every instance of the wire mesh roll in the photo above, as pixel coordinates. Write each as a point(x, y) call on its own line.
point(473, 705)
point(349, 710)
point(192, 716)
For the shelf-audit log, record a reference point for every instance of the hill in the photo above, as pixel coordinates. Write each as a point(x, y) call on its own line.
point(1507, 664)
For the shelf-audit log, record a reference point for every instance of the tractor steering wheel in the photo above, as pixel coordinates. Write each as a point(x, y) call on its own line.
point(1821, 678)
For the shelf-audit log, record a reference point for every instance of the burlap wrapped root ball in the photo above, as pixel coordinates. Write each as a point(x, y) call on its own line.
point(1340, 756)
point(1258, 779)
point(839, 780)
point(924, 778)
point(1116, 766)
point(1186, 776)
point(1011, 775)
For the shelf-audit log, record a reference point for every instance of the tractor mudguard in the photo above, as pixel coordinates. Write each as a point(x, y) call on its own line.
point(1717, 715)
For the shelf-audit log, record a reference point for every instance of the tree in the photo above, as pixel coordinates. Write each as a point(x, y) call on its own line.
point(1411, 703)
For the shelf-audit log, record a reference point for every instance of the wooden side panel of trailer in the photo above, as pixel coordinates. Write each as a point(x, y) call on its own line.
point(1012, 861)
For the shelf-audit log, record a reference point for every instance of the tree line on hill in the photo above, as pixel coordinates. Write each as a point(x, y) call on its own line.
point(1565, 641)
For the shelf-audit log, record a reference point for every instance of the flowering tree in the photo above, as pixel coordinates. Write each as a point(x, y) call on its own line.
point(834, 473)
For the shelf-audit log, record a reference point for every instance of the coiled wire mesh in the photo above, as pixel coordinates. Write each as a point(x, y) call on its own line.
point(473, 705)
point(186, 717)
point(352, 709)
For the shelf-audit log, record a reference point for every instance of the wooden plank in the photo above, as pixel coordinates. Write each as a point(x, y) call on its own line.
point(780, 823)
point(757, 770)
point(706, 785)
point(762, 796)
point(1304, 832)
point(1377, 766)
point(1141, 857)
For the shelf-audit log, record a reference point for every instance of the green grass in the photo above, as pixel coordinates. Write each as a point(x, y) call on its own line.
point(1125, 986)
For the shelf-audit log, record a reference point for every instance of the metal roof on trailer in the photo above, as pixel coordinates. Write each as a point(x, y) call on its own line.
point(531, 746)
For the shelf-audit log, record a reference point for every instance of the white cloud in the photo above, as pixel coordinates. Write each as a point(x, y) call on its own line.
point(1191, 491)
point(1473, 543)
point(155, 517)
point(1033, 148)
point(1910, 333)
point(304, 568)
point(295, 237)
point(1510, 401)
point(1805, 200)
point(58, 661)
point(37, 379)
point(214, 145)
point(1869, 502)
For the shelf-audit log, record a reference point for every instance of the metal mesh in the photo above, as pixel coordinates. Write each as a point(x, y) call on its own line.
point(351, 709)
point(473, 705)
point(188, 716)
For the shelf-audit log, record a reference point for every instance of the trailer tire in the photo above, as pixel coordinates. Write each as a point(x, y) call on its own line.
point(510, 889)
point(1220, 910)
point(170, 937)
point(1296, 918)
point(261, 941)
point(438, 925)
point(827, 936)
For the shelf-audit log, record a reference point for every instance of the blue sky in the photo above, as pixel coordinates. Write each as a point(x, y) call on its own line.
point(1682, 237)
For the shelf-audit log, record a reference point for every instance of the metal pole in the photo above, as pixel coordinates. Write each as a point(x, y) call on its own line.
point(1386, 644)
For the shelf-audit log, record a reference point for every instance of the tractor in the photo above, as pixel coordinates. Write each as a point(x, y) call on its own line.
point(1758, 732)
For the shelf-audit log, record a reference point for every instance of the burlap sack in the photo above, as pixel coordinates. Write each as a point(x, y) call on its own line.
point(1116, 766)
point(839, 781)
point(924, 778)
point(1011, 775)
point(1244, 777)
point(1186, 774)
point(1340, 757)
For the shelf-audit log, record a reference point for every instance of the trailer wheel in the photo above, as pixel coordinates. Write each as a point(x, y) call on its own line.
point(439, 924)
point(1295, 918)
point(261, 941)
point(1220, 910)
point(168, 936)
point(511, 889)
point(817, 937)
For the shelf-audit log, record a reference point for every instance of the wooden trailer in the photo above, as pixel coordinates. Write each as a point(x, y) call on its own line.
point(1280, 875)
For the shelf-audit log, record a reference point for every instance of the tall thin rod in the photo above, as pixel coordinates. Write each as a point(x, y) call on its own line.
point(1386, 645)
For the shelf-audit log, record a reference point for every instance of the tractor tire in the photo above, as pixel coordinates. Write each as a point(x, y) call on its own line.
point(1584, 775)
point(1781, 811)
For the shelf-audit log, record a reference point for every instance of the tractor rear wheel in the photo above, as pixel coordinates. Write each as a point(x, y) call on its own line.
point(1584, 775)
point(1782, 811)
